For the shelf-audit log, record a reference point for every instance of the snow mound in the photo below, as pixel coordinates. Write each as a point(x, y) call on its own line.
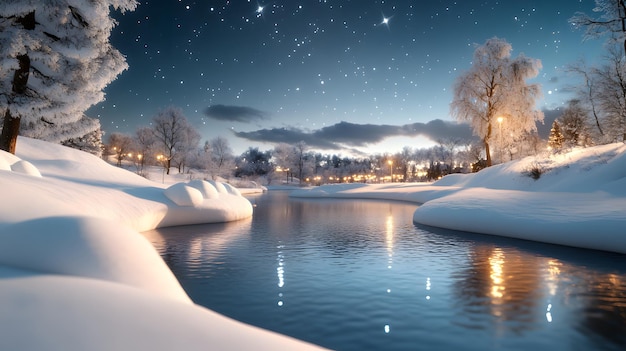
point(91, 248)
point(231, 189)
point(184, 195)
point(4, 163)
point(25, 167)
point(53, 312)
point(207, 189)
point(219, 187)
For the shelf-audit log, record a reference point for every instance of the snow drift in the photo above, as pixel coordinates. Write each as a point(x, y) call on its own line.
point(76, 274)
point(578, 199)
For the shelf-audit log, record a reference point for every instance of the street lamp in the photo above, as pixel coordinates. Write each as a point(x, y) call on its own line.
point(390, 169)
point(500, 119)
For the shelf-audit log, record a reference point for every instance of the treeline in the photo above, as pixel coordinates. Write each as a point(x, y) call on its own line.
point(172, 143)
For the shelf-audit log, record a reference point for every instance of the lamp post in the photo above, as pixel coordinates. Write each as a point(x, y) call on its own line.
point(391, 169)
point(500, 119)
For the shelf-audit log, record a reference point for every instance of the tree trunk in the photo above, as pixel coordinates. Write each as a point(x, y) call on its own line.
point(11, 124)
point(488, 153)
point(10, 130)
point(169, 164)
point(486, 141)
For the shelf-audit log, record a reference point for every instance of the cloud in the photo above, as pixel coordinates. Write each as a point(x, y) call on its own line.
point(346, 134)
point(548, 117)
point(234, 113)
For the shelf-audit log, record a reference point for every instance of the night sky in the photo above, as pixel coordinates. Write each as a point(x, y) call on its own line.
point(347, 77)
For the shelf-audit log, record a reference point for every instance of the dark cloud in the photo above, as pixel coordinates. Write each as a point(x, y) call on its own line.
point(345, 134)
point(548, 117)
point(288, 136)
point(234, 113)
point(438, 129)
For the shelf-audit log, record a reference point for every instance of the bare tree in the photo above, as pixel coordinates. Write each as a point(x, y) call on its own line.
point(120, 145)
point(187, 148)
point(171, 130)
point(612, 21)
point(495, 89)
point(221, 154)
point(587, 92)
point(611, 96)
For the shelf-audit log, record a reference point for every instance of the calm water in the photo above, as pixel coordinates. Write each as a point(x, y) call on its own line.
point(359, 275)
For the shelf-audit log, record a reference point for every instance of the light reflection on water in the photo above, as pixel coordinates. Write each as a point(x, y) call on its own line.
point(358, 275)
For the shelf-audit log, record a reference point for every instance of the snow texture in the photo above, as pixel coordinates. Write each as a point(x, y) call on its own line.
point(207, 190)
point(184, 195)
point(76, 274)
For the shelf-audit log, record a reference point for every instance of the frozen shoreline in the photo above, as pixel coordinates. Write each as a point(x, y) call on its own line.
point(578, 201)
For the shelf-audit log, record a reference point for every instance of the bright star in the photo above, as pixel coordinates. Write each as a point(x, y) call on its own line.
point(259, 9)
point(385, 20)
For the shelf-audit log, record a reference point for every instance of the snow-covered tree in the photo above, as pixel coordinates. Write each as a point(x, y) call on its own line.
point(221, 155)
point(55, 61)
point(253, 163)
point(90, 142)
point(575, 126)
point(495, 86)
point(187, 149)
point(612, 21)
point(555, 141)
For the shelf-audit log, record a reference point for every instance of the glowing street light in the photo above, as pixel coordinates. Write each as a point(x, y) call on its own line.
point(390, 169)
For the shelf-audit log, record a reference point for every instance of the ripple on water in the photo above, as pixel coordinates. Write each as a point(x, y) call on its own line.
point(359, 275)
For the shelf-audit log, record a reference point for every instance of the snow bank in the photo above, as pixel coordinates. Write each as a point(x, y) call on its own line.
point(88, 247)
point(579, 199)
point(207, 190)
point(184, 195)
point(60, 312)
point(75, 183)
point(75, 274)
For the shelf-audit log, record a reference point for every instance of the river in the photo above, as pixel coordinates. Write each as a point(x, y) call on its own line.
point(359, 275)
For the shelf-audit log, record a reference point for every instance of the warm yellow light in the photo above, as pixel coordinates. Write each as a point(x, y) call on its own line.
point(500, 119)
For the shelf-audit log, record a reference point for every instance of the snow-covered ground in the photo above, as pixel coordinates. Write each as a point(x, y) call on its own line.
point(579, 199)
point(76, 274)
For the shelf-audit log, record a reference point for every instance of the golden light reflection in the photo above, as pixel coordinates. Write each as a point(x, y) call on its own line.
point(389, 238)
point(280, 271)
point(496, 263)
point(552, 278)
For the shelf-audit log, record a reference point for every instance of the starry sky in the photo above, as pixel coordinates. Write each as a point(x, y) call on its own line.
point(347, 77)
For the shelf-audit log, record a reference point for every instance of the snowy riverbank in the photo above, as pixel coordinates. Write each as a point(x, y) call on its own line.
point(76, 274)
point(579, 199)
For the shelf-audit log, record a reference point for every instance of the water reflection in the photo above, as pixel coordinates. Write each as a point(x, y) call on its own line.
point(191, 248)
point(359, 275)
point(521, 286)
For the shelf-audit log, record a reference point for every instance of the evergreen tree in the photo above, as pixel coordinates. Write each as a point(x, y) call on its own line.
point(90, 142)
point(555, 141)
point(56, 60)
